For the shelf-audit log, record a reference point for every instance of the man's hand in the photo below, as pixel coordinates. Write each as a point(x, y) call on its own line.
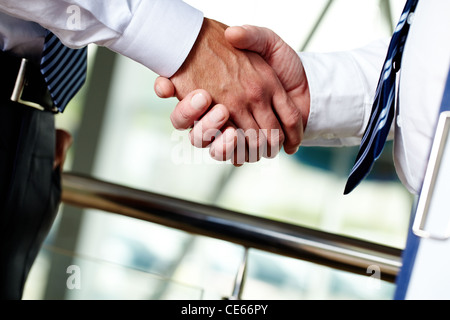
point(281, 57)
point(246, 85)
point(63, 142)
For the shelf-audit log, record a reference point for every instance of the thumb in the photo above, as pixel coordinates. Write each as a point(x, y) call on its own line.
point(257, 39)
point(277, 53)
point(164, 88)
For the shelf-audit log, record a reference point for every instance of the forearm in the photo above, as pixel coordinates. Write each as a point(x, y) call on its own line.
point(342, 86)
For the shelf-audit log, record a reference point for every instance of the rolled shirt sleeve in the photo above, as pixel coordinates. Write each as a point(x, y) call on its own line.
point(156, 33)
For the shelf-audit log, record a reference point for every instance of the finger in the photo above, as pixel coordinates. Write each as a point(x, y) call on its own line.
point(240, 154)
point(291, 121)
point(190, 109)
point(164, 88)
point(208, 128)
point(277, 53)
point(253, 138)
point(230, 145)
point(223, 146)
point(266, 43)
point(273, 133)
point(257, 39)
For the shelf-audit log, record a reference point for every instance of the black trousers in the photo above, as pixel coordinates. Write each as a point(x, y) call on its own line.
point(30, 191)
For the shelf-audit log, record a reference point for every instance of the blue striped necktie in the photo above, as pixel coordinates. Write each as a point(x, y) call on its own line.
point(382, 113)
point(64, 70)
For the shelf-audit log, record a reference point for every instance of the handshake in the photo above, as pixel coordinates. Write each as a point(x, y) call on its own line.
point(242, 91)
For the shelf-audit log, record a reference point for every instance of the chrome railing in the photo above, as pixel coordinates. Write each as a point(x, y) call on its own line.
point(335, 251)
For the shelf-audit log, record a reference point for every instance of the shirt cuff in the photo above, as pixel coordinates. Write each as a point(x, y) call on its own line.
point(338, 100)
point(160, 35)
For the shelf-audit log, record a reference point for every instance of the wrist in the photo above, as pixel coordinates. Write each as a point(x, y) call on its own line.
point(305, 102)
point(302, 99)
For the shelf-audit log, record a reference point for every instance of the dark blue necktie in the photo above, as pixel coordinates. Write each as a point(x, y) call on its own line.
point(64, 70)
point(382, 113)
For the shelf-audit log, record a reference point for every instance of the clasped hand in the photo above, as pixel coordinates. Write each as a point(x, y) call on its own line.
point(242, 91)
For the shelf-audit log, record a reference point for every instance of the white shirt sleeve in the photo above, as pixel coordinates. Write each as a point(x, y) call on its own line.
point(156, 33)
point(342, 86)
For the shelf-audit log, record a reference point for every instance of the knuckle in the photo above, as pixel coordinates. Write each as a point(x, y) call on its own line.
point(210, 134)
point(220, 154)
point(175, 123)
point(293, 143)
point(180, 119)
point(293, 120)
point(184, 116)
point(261, 142)
point(256, 148)
point(256, 91)
point(196, 138)
point(252, 141)
point(275, 138)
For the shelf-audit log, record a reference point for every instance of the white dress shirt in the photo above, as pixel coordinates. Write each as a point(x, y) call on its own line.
point(156, 33)
point(342, 86)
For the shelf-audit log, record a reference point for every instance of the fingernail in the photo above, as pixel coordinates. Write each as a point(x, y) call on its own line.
point(216, 115)
point(198, 101)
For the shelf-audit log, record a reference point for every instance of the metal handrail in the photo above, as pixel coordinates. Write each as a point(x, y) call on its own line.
point(332, 250)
